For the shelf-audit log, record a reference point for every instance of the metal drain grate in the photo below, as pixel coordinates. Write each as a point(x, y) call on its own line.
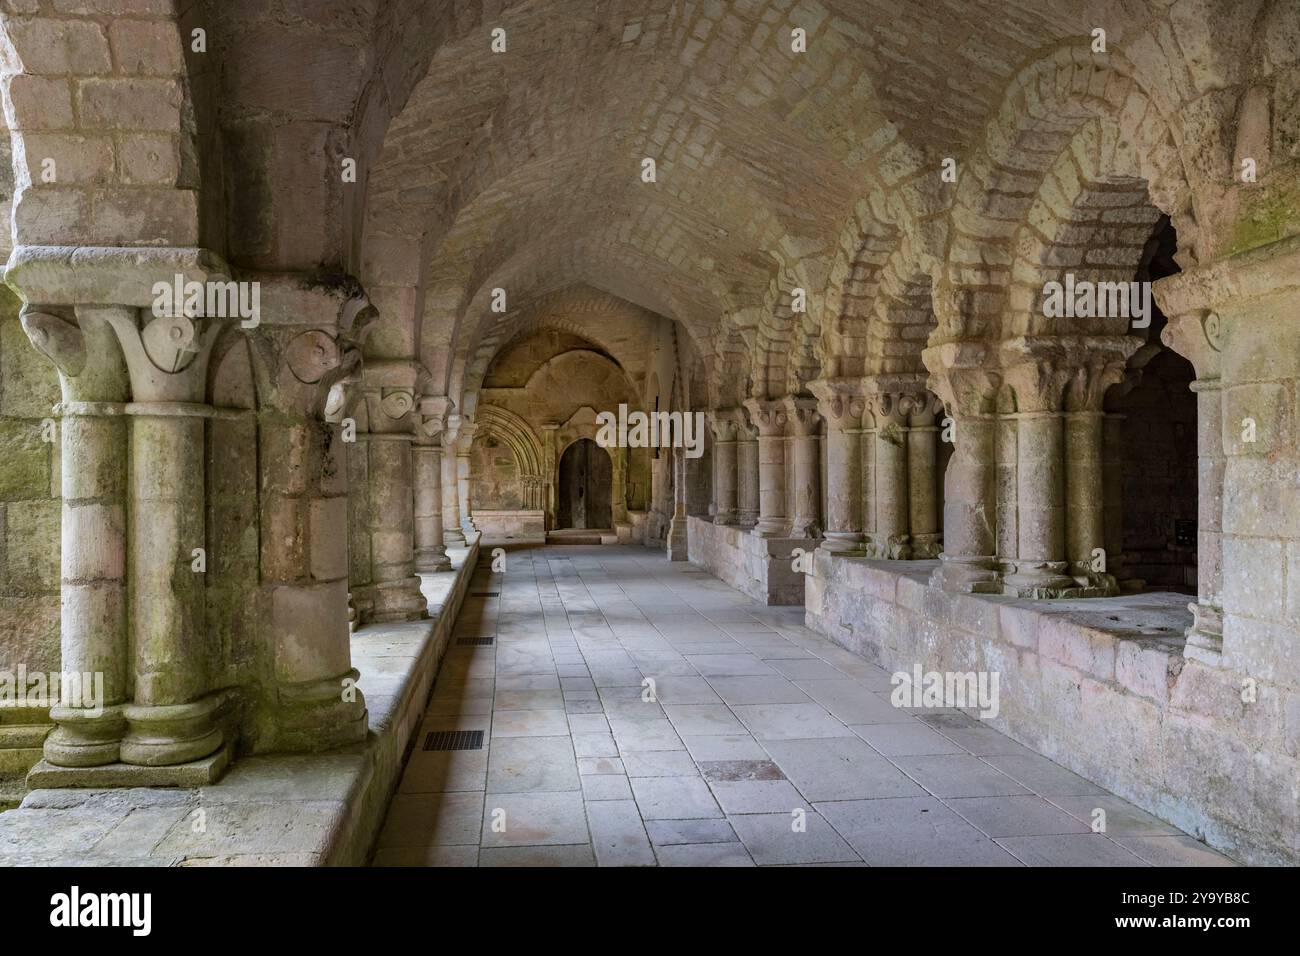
point(454, 740)
point(484, 593)
point(475, 641)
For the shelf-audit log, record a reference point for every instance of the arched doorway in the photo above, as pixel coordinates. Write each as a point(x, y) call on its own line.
point(585, 487)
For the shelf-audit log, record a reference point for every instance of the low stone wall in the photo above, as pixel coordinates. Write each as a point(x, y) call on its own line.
point(1100, 686)
point(506, 527)
point(760, 567)
point(272, 810)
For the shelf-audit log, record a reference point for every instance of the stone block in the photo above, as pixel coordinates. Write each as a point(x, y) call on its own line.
point(49, 46)
point(24, 460)
point(1144, 670)
point(149, 159)
point(1072, 644)
point(150, 105)
point(154, 214)
point(31, 557)
point(329, 538)
point(300, 617)
point(69, 158)
point(145, 47)
point(1019, 625)
point(1252, 577)
point(41, 102)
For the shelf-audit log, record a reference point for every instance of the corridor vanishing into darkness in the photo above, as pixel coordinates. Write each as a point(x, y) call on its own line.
point(755, 725)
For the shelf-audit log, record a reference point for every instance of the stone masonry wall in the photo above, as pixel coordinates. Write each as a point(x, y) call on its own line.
point(1114, 702)
point(29, 501)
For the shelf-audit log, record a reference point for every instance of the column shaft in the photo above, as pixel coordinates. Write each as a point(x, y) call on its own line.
point(93, 627)
point(1085, 501)
point(922, 486)
point(170, 721)
point(969, 504)
point(746, 480)
point(1040, 502)
point(430, 552)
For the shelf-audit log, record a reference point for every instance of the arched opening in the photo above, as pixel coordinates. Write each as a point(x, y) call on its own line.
point(585, 487)
point(1154, 504)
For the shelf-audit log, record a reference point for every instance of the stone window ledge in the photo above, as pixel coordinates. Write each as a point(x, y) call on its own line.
point(270, 810)
point(1134, 640)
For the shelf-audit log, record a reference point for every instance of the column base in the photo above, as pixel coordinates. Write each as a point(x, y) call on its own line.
point(895, 547)
point(968, 574)
point(321, 715)
point(1205, 636)
point(196, 773)
point(843, 542)
point(432, 559)
point(746, 519)
point(168, 734)
point(1040, 580)
point(767, 528)
point(676, 540)
point(399, 600)
point(454, 539)
point(725, 518)
point(80, 740)
point(925, 547)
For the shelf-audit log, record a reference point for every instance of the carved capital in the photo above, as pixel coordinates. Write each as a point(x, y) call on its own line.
point(801, 415)
point(767, 415)
point(58, 340)
point(840, 401)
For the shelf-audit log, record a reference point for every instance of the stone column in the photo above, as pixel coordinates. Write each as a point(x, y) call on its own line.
point(618, 486)
point(841, 405)
point(390, 403)
point(550, 474)
point(891, 414)
point(430, 552)
point(746, 472)
point(802, 417)
point(677, 540)
point(922, 479)
point(301, 353)
point(1112, 493)
point(93, 622)
point(960, 377)
point(1197, 334)
point(174, 717)
point(1085, 525)
point(769, 417)
point(453, 536)
point(464, 444)
point(724, 425)
point(1085, 484)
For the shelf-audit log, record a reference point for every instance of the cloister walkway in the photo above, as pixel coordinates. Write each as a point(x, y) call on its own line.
point(618, 709)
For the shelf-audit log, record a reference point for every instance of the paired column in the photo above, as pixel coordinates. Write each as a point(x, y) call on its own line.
point(968, 561)
point(464, 444)
point(769, 417)
point(892, 500)
point(93, 439)
point(925, 536)
point(841, 405)
point(1039, 564)
point(394, 587)
point(725, 477)
point(677, 538)
point(173, 718)
point(453, 536)
point(802, 418)
point(430, 552)
point(747, 471)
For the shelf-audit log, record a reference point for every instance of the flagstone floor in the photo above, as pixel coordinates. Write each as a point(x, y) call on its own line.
point(638, 712)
